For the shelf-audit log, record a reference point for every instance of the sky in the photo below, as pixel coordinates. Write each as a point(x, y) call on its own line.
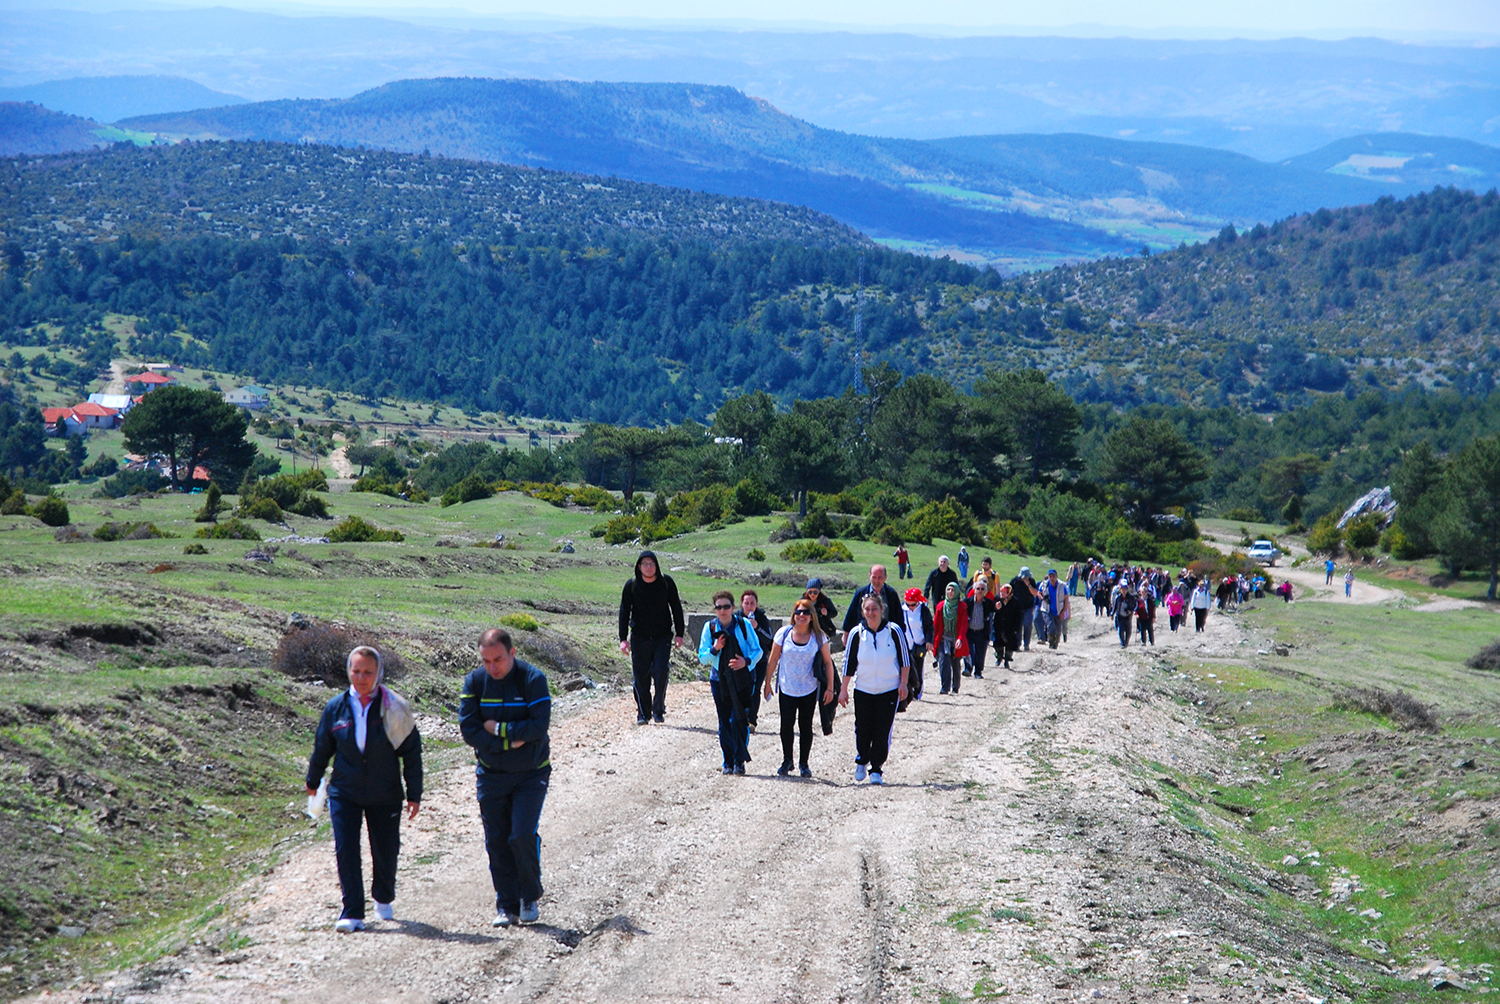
point(1476, 21)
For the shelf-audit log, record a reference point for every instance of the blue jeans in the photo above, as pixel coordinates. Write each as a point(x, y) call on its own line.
point(949, 670)
point(511, 807)
point(383, 822)
point(734, 729)
point(978, 642)
point(649, 663)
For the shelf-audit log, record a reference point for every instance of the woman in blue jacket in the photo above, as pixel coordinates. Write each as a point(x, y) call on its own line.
point(369, 734)
point(729, 648)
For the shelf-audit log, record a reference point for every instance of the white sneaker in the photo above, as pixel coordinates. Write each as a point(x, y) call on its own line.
point(876, 777)
point(859, 772)
point(348, 925)
point(384, 911)
point(502, 919)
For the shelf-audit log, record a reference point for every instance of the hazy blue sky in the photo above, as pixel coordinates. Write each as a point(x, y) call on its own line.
point(1415, 18)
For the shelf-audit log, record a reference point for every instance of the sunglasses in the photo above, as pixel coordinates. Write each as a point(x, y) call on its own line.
point(723, 606)
point(801, 613)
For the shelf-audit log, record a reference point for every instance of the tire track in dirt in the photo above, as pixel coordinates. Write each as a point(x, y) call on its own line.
point(1014, 846)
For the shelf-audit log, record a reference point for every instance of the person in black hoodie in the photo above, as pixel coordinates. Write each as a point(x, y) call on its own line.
point(504, 712)
point(370, 736)
point(651, 622)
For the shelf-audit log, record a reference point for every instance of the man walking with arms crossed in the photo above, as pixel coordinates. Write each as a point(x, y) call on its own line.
point(504, 712)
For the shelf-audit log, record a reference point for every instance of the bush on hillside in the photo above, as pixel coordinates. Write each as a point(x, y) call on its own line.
point(127, 531)
point(1126, 543)
point(321, 652)
point(51, 510)
point(1326, 537)
point(260, 508)
point(470, 489)
point(290, 492)
point(816, 552)
point(1010, 537)
point(230, 529)
point(751, 498)
point(354, 530)
point(131, 483)
point(1486, 658)
point(1244, 514)
point(948, 519)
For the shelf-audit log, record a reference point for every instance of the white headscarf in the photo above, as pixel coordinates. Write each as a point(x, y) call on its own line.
point(395, 712)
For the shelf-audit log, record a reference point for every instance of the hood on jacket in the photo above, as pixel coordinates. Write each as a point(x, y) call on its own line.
point(643, 556)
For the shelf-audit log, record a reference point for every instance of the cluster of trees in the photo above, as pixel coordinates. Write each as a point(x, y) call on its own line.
point(1447, 506)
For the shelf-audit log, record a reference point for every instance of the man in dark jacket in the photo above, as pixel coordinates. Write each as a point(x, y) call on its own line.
point(651, 622)
point(1023, 592)
point(504, 712)
point(937, 582)
point(895, 613)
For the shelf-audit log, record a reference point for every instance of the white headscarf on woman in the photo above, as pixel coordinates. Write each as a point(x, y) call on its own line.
point(395, 712)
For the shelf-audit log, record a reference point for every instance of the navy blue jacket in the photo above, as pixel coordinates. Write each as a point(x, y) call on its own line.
point(522, 706)
point(374, 776)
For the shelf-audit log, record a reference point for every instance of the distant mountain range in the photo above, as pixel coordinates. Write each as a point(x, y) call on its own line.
point(1271, 99)
point(109, 99)
point(1022, 200)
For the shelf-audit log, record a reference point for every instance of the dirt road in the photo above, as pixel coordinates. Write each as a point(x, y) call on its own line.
point(1018, 844)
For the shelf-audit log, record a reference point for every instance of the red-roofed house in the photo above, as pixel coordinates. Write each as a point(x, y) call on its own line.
point(71, 425)
point(147, 382)
point(96, 416)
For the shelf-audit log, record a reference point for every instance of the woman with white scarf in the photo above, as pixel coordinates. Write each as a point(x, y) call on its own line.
point(369, 734)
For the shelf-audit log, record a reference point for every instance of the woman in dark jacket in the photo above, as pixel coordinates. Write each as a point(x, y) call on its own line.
point(750, 607)
point(369, 734)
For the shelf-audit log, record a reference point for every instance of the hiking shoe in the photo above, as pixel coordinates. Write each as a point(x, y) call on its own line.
point(658, 719)
point(784, 769)
point(739, 768)
point(529, 912)
point(968, 672)
point(805, 770)
point(348, 925)
point(876, 777)
point(859, 772)
point(502, 919)
point(728, 768)
point(942, 693)
point(384, 911)
point(641, 719)
point(979, 676)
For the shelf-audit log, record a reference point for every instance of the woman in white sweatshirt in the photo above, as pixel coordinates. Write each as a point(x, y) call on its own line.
point(877, 662)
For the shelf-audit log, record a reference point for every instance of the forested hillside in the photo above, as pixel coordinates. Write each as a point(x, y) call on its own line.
point(30, 128)
point(250, 190)
point(1395, 292)
point(570, 298)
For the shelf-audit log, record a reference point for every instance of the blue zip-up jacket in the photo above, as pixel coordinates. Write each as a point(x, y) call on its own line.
point(374, 776)
point(743, 632)
point(522, 706)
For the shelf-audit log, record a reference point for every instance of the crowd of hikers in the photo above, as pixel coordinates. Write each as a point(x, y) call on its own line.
point(885, 636)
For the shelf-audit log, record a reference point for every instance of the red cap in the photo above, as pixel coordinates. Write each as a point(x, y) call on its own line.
point(914, 595)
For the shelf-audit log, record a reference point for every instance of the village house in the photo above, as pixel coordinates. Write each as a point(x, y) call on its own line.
point(147, 382)
point(250, 396)
point(119, 402)
point(96, 416)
